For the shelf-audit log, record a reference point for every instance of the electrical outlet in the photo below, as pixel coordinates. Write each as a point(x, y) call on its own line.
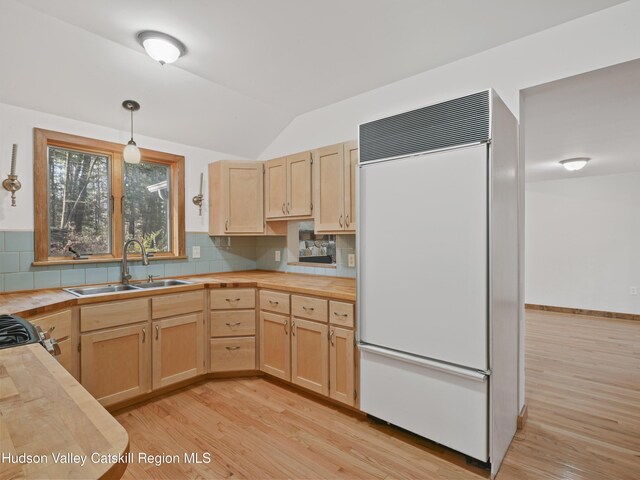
point(633, 290)
point(195, 252)
point(351, 260)
point(277, 255)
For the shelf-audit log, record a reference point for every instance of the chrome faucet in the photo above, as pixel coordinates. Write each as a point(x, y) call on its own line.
point(126, 276)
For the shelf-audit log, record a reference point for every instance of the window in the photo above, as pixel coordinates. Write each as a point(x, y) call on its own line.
point(89, 200)
point(309, 248)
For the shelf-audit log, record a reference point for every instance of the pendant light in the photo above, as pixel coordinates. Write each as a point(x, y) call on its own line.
point(131, 152)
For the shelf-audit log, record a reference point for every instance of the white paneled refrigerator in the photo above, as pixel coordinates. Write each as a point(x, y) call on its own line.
point(438, 270)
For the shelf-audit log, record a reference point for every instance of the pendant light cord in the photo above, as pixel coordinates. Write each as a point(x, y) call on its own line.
point(132, 124)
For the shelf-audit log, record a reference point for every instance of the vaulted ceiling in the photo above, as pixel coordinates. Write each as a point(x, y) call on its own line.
point(252, 65)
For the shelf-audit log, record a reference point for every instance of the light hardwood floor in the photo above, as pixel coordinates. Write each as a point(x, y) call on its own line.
point(583, 392)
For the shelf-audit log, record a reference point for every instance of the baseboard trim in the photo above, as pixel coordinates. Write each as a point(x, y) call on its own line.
point(582, 311)
point(522, 418)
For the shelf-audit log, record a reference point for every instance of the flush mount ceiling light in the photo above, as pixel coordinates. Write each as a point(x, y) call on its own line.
point(573, 164)
point(131, 152)
point(161, 47)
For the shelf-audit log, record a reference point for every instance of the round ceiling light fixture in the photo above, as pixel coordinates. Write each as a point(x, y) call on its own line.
point(574, 164)
point(161, 47)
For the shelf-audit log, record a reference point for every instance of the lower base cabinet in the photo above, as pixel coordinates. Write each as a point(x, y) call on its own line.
point(342, 365)
point(233, 354)
point(178, 349)
point(116, 363)
point(310, 355)
point(275, 350)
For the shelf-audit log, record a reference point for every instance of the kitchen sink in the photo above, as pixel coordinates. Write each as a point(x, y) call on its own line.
point(105, 289)
point(85, 291)
point(162, 284)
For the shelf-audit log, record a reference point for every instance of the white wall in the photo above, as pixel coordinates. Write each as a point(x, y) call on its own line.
point(16, 126)
point(582, 242)
point(594, 41)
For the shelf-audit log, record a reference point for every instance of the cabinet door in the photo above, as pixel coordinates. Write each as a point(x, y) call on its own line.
point(275, 350)
point(310, 355)
point(329, 181)
point(116, 363)
point(275, 188)
point(341, 365)
point(59, 326)
point(299, 185)
point(243, 200)
point(178, 349)
point(350, 166)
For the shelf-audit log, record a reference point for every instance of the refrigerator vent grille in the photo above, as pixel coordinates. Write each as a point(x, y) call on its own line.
point(455, 122)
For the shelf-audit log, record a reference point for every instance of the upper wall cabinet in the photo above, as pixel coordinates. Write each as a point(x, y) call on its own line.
point(236, 198)
point(287, 185)
point(334, 175)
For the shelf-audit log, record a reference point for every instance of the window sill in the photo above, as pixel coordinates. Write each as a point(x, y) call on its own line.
point(90, 261)
point(314, 265)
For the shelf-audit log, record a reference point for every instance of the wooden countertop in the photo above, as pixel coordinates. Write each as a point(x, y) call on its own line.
point(31, 383)
point(35, 302)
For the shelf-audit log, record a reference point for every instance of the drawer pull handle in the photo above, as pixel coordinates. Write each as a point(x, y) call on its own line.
point(235, 324)
point(273, 303)
point(340, 314)
point(232, 299)
point(311, 309)
point(233, 348)
point(52, 329)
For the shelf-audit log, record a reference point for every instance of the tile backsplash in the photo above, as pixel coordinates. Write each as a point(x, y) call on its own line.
point(245, 253)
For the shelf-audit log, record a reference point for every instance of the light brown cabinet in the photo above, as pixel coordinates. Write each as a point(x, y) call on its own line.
point(287, 185)
point(310, 355)
point(342, 365)
point(59, 325)
point(334, 181)
point(275, 347)
point(232, 322)
point(309, 342)
point(178, 348)
point(236, 198)
point(116, 363)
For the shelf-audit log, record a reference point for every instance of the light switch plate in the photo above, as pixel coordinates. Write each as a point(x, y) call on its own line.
point(195, 252)
point(351, 259)
point(633, 290)
point(277, 255)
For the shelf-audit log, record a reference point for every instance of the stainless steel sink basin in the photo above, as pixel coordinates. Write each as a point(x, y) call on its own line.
point(85, 291)
point(102, 290)
point(162, 284)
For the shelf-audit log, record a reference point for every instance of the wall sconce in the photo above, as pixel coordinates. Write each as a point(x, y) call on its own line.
point(197, 200)
point(11, 183)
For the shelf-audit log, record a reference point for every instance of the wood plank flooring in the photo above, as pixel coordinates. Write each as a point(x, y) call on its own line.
point(583, 392)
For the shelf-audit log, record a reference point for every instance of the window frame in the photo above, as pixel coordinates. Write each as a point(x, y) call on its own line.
point(43, 139)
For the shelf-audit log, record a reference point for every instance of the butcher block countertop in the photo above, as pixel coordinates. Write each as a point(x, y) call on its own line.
point(46, 413)
point(35, 302)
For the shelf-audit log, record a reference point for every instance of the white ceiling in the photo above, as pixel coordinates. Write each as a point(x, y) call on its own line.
point(252, 65)
point(596, 114)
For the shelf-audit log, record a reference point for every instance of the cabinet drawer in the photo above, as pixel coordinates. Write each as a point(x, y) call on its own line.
point(229, 354)
point(176, 304)
point(232, 298)
point(274, 301)
point(113, 314)
point(341, 313)
point(307, 307)
point(233, 323)
point(57, 324)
